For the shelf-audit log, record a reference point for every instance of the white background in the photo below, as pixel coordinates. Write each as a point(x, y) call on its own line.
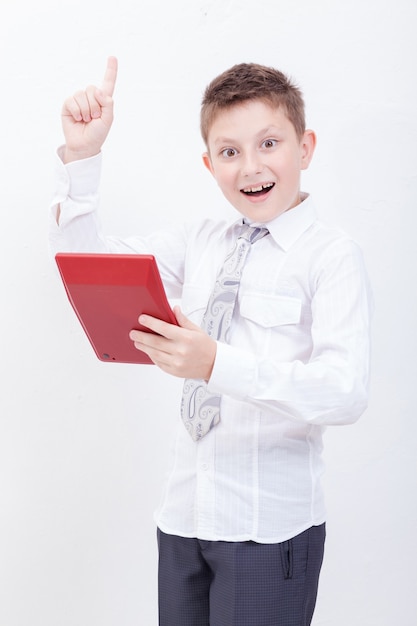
point(83, 445)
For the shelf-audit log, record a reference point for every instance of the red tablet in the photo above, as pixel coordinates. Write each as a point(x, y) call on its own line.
point(108, 292)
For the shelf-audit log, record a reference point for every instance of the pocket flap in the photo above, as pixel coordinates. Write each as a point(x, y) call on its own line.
point(269, 311)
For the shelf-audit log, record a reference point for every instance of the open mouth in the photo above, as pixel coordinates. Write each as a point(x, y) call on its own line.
point(259, 190)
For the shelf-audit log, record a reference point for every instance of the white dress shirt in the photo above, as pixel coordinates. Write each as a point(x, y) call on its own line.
point(297, 361)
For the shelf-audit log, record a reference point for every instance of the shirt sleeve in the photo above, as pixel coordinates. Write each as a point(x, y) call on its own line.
point(331, 387)
point(76, 198)
point(79, 229)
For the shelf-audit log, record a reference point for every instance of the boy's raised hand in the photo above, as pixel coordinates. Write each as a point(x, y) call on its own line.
point(87, 117)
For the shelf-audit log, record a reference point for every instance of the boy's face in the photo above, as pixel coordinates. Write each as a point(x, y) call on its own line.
point(256, 158)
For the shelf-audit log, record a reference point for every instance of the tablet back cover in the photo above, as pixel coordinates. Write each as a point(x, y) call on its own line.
point(108, 292)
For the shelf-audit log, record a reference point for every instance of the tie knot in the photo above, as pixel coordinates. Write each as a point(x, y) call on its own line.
point(252, 233)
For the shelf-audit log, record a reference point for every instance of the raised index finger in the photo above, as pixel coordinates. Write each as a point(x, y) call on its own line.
point(110, 76)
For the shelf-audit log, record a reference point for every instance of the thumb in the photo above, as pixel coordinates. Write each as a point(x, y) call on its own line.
point(103, 99)
point(106, 105)
point(183, 321)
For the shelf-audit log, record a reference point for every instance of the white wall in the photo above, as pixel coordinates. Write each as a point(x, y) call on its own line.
point(80, 466)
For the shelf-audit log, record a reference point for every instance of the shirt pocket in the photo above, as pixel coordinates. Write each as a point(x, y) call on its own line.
point(271, 310)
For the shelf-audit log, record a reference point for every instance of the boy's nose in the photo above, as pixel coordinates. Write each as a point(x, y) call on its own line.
point(251, 164)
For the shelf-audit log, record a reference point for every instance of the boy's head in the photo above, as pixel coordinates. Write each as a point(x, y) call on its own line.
point(250, 81)
point(252, 121)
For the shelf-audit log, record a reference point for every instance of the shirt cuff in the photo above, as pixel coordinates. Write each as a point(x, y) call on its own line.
point(234, 372)
point(77, 185)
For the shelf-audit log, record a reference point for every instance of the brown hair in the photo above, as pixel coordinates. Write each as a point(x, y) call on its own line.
point(250, 81)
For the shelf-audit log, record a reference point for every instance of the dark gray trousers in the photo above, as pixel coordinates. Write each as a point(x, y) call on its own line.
point(218, 583)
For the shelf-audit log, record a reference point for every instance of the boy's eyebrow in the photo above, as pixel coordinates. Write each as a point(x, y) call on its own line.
point(223, 140)
point(265, 131)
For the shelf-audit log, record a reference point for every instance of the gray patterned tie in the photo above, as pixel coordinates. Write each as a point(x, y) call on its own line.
point(200, 409)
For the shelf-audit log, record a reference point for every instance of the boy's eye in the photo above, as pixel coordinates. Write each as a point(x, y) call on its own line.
point(269, 143)
point(229, 152)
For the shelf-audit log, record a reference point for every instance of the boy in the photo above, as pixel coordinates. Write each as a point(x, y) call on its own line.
point(241, 524)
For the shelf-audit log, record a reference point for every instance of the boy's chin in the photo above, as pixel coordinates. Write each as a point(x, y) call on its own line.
point(260, 215)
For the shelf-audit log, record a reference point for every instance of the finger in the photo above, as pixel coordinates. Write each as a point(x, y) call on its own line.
point(82, 101)
point(93, 103)
point(160, 359)
point(154, 346)
point(85, 105)
point(110, 76)
point(158, 326)
point(138, 336)
point(71, 109)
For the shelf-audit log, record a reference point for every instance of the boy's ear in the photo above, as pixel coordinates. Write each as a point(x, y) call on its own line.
point(308, 144)
point(207, 162)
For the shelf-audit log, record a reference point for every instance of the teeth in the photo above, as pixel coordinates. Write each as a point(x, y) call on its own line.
point(259, 188)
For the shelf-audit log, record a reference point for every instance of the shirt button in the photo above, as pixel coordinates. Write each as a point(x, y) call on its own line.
point(204, 467)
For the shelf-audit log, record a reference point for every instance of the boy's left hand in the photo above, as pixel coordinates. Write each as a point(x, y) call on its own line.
point(185, 350)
